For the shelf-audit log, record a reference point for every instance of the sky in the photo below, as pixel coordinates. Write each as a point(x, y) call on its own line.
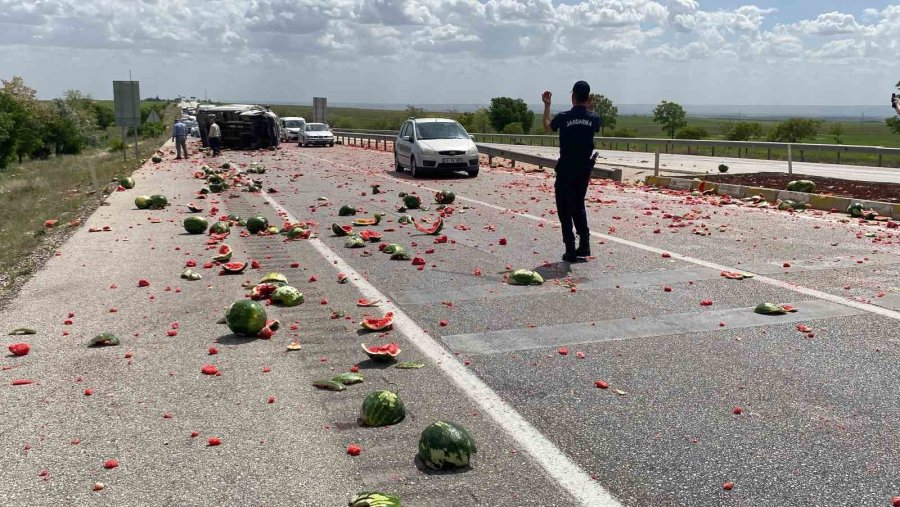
point(785, 52)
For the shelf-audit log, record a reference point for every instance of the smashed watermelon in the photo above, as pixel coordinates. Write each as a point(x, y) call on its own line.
point(434, 229)
point(382, 353)
point(376, 324)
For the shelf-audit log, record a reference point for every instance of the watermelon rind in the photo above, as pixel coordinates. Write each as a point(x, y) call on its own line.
point(330, 385)
point(412, 201)
point(802, 186)
point(257, 224)
point(349, 378)
point(339, 230)
point(287, 296)
point(382, 408)
point(444, 197)
point(274, 278)
point(234, 267)
point(104, 340)
point(378, 324)
point(354, 241)
point(446, 445)
point(246, 317)
point(224, 255)
point(525, 277)
point(769, 309)
point(220, 228)
point(433, 229)
point(346, 211)
point(374, 499)
point(383, 356)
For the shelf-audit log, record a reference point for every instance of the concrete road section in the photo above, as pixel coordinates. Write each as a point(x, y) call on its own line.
point(640, 377)
point(637, 165)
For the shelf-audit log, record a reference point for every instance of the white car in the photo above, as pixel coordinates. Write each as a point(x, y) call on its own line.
point(316, 134)
point(291, 127)
point(434, 144)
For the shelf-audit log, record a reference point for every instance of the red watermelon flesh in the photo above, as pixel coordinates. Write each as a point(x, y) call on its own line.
point(234, 267)
point(385, 352)
point(375, 324)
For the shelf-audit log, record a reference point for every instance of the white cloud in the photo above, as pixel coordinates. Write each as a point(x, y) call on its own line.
point(541, 37)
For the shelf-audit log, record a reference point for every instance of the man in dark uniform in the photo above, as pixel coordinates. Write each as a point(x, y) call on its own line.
point(576, 127)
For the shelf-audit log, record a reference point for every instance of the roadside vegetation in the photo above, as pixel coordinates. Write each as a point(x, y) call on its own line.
point(47, 151)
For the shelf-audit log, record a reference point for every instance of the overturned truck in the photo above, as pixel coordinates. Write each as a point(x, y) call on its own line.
point(243, 126)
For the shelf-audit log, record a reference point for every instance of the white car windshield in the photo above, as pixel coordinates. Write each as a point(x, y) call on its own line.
point(440, 130)
point(316, 127)
point(293, 124)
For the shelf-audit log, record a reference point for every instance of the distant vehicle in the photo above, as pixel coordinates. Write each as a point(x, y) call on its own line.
point(435, 144)
point(291, 127)
point(245, 126)
point(316, 134)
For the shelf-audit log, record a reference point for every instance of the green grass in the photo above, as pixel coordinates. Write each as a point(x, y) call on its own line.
point(57, 188)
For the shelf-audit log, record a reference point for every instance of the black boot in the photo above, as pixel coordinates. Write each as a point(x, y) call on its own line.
point(584, 246)
point(570, 255)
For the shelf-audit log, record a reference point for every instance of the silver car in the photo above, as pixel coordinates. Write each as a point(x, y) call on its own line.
point(316, 134)
point(435, 144)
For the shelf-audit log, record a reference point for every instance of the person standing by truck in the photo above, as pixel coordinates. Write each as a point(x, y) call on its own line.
point(576, 127)
point(215, 138)
point(179, 135)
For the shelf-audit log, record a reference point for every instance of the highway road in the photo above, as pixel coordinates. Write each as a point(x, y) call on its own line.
point(637, 165)
point(705, 402)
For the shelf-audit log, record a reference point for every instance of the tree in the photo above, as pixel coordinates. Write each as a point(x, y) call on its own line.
point(893, 123)
point(837, 131)
point(670, 116)
point(692, 133)
point(476, 122)
point(106, 117)
point(414, 112)
point(514, 129)
point(608, 112)
point(794, 130)
point(744, 131)
point(506, 110)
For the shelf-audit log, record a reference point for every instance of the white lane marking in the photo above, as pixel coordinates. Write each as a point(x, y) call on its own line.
point(560, 467)
point(878, 310)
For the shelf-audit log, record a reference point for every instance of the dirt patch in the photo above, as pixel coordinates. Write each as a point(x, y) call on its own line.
point(884, 192)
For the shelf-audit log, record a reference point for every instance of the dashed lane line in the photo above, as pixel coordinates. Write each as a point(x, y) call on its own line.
point(572, 478)
point(877, 310)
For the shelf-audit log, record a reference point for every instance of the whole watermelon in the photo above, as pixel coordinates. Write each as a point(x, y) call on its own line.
point(446, 445)
point(382, 408)
point(127, 182)
point(246, 317)
point(257, 224)
point(142, 202)
point(158, 201)
point(195, 225)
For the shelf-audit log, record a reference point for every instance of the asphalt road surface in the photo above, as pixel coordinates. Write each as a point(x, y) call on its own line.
point(637, 165)
point(797, 409)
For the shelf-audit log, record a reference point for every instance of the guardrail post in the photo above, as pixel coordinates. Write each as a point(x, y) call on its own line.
point(656, 164)
point(769, 156)
point(790, 160)
point(369, 143)
point(838, 157)
point(879, 159)
point(713, 151)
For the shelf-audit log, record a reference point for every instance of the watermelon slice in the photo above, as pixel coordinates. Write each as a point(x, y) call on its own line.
point(376, 324)
point(370, 236)
point(433, 229)
point(341, 230)
point(225, 253)
point(234, 267)
point(382, 353)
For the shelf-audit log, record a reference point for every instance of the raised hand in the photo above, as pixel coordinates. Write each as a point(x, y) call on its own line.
point(545, 98)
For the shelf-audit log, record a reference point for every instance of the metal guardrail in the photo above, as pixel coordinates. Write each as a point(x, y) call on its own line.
point(667, 145)
point(360, 138)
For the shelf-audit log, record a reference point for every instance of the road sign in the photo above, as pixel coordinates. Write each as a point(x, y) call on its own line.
point(153, 117)
point(320, 110)
point(127, 99)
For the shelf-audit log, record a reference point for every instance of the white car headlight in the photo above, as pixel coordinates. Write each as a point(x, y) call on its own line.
point(428, 151)
point(473, 150)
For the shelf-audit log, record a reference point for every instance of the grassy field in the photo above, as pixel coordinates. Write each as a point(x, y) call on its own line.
point(59, 188)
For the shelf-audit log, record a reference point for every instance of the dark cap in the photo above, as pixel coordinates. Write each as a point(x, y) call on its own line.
point(581, 88)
